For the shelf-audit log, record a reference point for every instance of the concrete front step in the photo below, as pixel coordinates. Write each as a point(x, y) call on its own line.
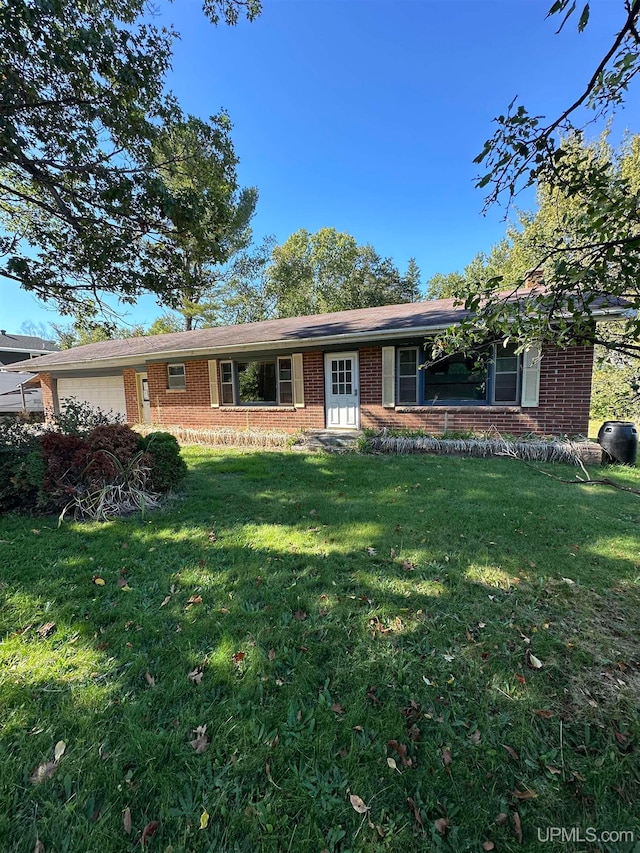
point(331, 441)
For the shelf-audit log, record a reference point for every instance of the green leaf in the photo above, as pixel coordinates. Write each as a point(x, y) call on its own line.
point(584, 18)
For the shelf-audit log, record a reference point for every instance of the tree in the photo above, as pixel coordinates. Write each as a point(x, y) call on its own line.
point(82, 104)
point(197, 164)
point(82, 332)
point(328, 271)
point(246, 296)
point(166, 324)
point(594, 256)
point(413, 280)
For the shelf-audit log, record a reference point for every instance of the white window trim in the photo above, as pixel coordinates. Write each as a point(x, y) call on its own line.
point(297, 393)
point(518, 372)
point(182, 386)
point(288, 358)
point(417, 376)
point(224, 384)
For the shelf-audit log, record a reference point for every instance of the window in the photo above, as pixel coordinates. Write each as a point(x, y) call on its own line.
point(408, 375)
point(285, 381)
point(506, 374)
point(226, 381)
point(459, 378)
point(255, 383)
point(176, 378)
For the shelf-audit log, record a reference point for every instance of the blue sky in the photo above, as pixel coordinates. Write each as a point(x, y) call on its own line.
point(365, 115)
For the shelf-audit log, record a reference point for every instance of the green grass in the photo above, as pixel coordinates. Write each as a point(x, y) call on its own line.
point(365, 599)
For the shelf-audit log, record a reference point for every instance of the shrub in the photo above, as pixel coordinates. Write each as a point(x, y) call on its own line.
point(80, 418)
point(106, 443)
point(21, 466)
point(168, 468)
point(66, 458)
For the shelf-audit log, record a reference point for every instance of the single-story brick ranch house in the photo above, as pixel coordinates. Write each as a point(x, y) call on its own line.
point(346, 370)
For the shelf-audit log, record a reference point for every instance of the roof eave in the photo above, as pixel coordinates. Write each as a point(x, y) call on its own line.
point(215, 351)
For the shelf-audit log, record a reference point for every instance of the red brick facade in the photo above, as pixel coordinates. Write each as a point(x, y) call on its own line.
point(47, 384)
point(131, 395)
point(192, 407)
point(565, 390)
point(565, 394)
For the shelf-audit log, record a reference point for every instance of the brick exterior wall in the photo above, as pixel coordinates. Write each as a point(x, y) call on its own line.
point(565, 390)
point(565, 393)
point(131, 395)
point(47, 384)
point(192, 407)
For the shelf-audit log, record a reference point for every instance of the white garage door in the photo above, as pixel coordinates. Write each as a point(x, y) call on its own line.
point(102, 392)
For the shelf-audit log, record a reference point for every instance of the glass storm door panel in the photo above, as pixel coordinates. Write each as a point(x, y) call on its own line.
point(144, 399)
point(342, 392)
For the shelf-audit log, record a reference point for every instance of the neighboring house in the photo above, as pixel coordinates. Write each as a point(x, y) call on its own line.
point(14, 348)
point(343, 370)
point(20, 392)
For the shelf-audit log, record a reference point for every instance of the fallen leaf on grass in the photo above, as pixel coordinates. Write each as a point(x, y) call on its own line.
point(544, 715)
point(165, 600)
point(204, 819)
point(195, 599)
point(122, 583)
point(272, 654)
point(98, 581)
point(238, 657)
point(517, 823)
point(126, 820)
point(442, 825)
point(533, 661)
point(446, 757)
point(43, 772)
point(416, 811)
point(299, 615)
point(39, 848)
point(488, 845)
point(150, 679)
point(149, 831)
point(196, 675)
point(521, 679)
point(337, 708)
point(58, 752)
point(553, 770)
point(392, 763)
point(475, 737)
point(46, 630)
point(371, 552)
point(414, 733)
point(511, 752)
point(358, 804)
point(371, 696)
point(501, 819)
point(201, 740)
point(620, 737)
point(401, 749)
point(527, 794)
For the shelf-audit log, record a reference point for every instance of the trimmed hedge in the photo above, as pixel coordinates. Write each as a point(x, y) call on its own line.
point(168, 468)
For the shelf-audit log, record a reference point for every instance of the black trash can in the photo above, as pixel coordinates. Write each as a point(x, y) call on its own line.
point(619, 441)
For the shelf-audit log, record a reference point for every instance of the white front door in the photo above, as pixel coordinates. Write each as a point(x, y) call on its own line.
point(342, 390)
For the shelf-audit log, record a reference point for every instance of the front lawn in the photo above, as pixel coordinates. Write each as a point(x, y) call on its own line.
point(353, 632)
